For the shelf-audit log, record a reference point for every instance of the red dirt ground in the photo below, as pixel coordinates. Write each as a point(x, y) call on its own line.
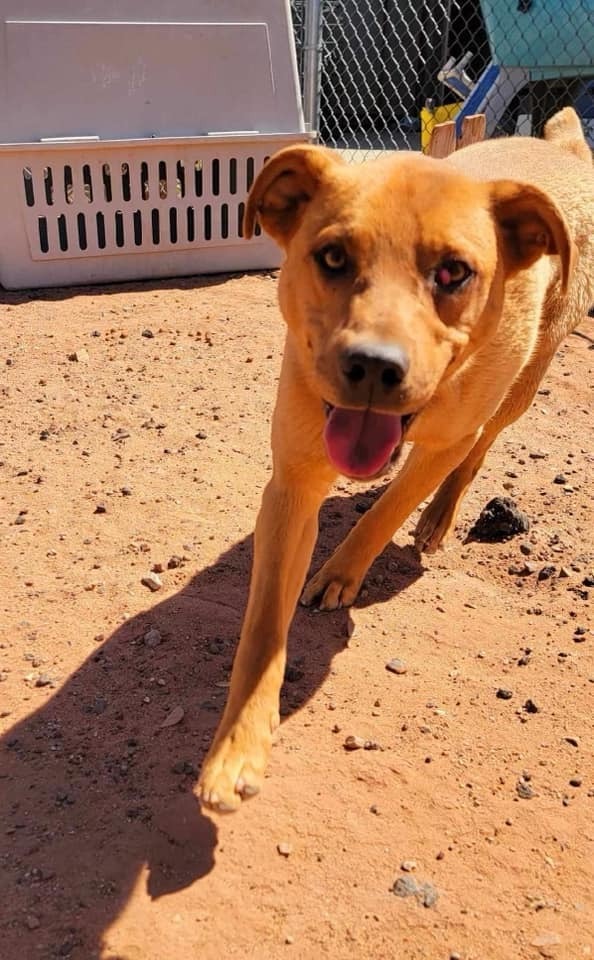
point(104, 851)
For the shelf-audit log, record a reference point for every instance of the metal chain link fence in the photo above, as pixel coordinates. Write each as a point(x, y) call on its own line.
point(378, 74)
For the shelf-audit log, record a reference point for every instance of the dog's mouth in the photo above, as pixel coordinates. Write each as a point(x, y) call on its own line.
point(362, 443)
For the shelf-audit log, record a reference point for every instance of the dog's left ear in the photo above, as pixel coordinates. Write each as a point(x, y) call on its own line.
point(531, 225)
point(286, 183)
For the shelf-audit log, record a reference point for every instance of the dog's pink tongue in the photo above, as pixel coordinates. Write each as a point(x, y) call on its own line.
point(360, 442)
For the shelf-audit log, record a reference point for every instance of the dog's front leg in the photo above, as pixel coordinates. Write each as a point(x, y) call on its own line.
point(284, 539)
point(339, 580)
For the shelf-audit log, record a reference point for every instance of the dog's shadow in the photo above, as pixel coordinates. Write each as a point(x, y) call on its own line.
point(97, 784)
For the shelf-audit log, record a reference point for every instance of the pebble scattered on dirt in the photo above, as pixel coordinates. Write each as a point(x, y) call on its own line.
point(424, 892)
point(153, 581)
point(500, 520)
point(396, 666)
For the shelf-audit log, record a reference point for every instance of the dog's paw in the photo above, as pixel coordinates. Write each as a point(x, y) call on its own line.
point(234, 768)
point(433, 528)
point(331, 589)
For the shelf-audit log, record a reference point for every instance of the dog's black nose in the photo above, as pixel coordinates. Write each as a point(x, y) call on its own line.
point(375, 365)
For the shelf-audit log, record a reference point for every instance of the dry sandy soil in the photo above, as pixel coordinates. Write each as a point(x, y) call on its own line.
point(134, 434)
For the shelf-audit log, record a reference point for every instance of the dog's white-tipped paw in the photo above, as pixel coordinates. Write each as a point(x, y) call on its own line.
point(234, 768)
point(328, 590)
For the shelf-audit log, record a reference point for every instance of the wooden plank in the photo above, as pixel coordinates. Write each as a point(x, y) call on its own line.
point(443, 140)
point(473, 130)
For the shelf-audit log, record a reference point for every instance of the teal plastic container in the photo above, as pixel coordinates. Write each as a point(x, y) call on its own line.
point(548, 37)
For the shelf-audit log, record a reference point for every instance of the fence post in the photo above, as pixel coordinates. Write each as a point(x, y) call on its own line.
point(312, 63)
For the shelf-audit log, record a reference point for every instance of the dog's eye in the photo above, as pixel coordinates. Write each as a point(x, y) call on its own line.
point(332, 259)
point(451, 275)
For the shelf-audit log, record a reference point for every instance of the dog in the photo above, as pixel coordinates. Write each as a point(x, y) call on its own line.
point(424, 300)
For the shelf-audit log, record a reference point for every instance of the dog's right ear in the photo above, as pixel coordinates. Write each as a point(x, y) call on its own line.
point(286, 183)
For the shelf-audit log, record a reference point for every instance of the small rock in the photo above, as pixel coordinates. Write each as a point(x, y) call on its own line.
point(32, 922)
point(126, 491)
point(560, 479)
point(184, 767)
point(174, 562)
point(201, 435)
point(500, 520)
point(79, 356)
point(100, 508)
point(575, 782)
point(545, 573)
point(396, 666)
point(293, 674)
point(503, 694)
point(152, 581)
point(152, 637)
point(531, 707)
point(572, 741)
point(43, 680)
point(148, 334)
point(405, 887)
point(285, 849)
point(427, 895)
point(354, 743)
point(521, 570)
point(524, 790)
point(408, 865)
point(157, 568)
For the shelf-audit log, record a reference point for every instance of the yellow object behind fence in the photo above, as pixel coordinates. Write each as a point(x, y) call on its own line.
point(432, 115)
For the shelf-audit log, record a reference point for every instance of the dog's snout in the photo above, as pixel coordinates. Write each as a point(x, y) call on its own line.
point(370, 364)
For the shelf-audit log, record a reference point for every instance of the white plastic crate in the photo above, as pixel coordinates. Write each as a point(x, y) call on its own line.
point(100, 212)
point(127, 146)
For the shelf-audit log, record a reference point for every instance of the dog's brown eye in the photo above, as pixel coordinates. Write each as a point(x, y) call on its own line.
point(451, 275)
point(332, 259)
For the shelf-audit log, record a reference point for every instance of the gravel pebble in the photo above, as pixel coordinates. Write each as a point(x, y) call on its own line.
point(531, 707)
point(405, 887)
point(396, 666)
point(152, 637)
point(500, 520)
point(152, 581)
point(354, 743)
point(524, 790)
point(425, 893)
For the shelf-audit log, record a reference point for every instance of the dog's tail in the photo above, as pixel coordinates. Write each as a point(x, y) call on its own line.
point(564, 128)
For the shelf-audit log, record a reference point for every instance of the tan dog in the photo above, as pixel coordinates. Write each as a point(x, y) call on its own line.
point(424, 300)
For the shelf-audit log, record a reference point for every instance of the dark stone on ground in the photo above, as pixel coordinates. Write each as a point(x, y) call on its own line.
point(500, 520)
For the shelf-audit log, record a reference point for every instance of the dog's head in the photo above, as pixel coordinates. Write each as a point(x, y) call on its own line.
point(394, 272)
